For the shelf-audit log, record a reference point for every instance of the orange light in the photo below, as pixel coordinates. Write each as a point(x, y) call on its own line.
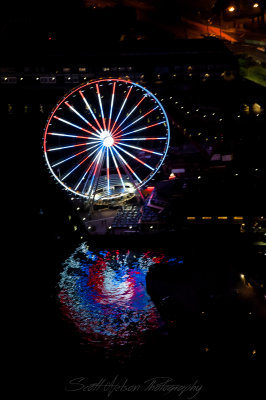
point(191, 218)
point(172, 176)
point(231, 8)
point(222, 217)
point(255, 5)
point(206, 217)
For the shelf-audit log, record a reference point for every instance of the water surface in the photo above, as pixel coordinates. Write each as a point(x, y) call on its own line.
point(103, 294)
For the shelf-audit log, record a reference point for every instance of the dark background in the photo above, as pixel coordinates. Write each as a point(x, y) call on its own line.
point(36, 361)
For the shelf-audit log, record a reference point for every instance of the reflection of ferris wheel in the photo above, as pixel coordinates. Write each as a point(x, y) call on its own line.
point(106, 138)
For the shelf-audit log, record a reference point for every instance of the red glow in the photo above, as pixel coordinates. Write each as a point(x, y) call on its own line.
point(136, 158)
point(141, 100)
point(96, 168)
point(84, 158)
point(130, 169)
point(152, 138)
point(128, 91)
point(118, 171)
point(172, 176)
point(150, 188)
point(87, 170)
point(148, 151)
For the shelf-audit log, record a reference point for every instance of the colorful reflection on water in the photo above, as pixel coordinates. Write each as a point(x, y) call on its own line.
point(104, 295)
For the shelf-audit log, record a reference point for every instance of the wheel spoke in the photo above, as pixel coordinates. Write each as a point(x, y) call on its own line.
point(74, 155)
point(87, 170)
point(127, 165)
point(94, 172)
point(75, 126)
point(146, 138)
point(111, 107)
point(134, 122)
point(117, 169)
point(90, 110)
point(107, 170)
point(132, 110)
point(141, 149)
point(67, 135)
point(135, 158)
point(83, 118)
point(123, 105)
point(97, 175)
point(101, 106)
point(143, 128)
point(69, 147)
point(77, 165)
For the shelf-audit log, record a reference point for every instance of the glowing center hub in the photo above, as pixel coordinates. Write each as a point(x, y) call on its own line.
point(108, 141)
point(107, 138)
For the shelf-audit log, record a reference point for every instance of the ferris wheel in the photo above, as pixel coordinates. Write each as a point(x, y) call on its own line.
point(106, 138)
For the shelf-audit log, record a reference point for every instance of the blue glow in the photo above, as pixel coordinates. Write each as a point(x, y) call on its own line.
point(104, 295)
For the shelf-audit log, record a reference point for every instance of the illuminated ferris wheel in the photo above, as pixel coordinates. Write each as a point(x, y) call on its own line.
point(106, 138)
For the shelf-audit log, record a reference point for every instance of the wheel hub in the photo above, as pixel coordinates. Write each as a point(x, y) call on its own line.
point(107, 138)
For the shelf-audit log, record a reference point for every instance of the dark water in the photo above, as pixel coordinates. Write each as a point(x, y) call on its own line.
point(104, 295)
point(101, 326)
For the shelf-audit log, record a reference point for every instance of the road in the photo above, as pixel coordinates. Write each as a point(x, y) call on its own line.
point(211, 30)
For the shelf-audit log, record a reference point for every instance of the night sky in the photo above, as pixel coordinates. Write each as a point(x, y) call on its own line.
point(32, 21)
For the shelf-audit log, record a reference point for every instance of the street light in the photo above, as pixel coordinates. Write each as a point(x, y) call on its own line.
point(231, 9)
point(256, 5)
